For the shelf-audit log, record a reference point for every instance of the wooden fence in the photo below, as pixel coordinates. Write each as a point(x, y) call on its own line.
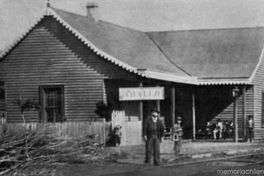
point(100, 129)
point(131, 128)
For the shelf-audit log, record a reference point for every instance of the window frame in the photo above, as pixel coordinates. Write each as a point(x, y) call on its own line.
point(42, 89)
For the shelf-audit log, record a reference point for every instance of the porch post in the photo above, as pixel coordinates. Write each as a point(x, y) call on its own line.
point(140, 105)
point(158, 103)
point(193, 115)
point(235, 95)
point(244, 115)
point(172, 110)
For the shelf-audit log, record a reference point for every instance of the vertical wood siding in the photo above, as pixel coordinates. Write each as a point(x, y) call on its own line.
point(50, 55)
point(258, 89)
point(63, 130)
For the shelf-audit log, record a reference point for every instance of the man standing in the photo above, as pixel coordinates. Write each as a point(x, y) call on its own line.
point(153, 132)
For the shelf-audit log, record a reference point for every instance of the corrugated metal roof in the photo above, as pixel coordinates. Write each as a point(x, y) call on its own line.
point(215, 53)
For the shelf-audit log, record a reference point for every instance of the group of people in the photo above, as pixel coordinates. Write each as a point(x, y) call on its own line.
point(154, 129)
point(222, 129)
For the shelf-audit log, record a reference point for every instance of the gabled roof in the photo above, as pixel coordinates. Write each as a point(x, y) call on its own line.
point(216, 54)
point(128, 46)
point(203, 57)
point(130, 49)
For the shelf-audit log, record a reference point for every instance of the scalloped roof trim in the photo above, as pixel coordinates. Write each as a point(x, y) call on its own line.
point(95, 49)
point(24, 34)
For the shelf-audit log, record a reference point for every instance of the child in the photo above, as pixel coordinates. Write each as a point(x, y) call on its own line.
point(117, 135)
point(177, 136)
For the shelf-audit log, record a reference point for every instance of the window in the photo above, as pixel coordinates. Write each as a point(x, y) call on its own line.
point(52, 103)
point(2, 91)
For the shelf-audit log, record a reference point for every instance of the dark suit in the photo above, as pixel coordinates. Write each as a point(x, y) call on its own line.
point(154, 133)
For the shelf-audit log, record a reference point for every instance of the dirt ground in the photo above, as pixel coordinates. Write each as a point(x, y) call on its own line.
point(76, 167)
point(93, 169)
point(111, 163)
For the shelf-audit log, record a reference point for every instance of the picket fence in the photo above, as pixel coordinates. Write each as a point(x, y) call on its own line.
point(131, 128)
point(100, 129)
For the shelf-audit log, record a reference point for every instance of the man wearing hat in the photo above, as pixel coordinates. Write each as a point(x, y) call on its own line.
point(178, 132)
point(153, 132)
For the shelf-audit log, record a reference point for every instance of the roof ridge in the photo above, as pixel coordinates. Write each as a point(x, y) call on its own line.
point(206, 29)
point(160, 49)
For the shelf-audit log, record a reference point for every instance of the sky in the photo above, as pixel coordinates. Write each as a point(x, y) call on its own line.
point(145, 15)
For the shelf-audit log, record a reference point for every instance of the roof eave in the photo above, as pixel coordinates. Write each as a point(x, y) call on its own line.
point(170, 77)
point(11, 46)
point(252, 77)
point(227, 81)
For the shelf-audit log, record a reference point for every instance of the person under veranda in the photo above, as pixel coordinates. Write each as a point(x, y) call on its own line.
point(153, 133)
point(178, 133)
point(250, 128)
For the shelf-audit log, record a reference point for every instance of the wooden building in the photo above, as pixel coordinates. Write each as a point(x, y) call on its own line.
point(68, 63)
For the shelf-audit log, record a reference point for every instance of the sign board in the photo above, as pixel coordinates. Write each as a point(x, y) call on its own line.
point(141, 93)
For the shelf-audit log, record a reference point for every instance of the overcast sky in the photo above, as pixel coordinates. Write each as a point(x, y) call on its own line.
point(144, 15)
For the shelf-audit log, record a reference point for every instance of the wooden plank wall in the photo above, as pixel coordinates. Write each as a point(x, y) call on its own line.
point(2, 105)
point(258, 82)
point(64, 130)
point(227, 113)
point(51, 55)
point(41, 59)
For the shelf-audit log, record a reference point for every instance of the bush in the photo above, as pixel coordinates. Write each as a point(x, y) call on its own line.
point(104, 110)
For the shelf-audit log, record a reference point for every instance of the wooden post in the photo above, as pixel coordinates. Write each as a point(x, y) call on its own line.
point(158, 103)
point(140, 105)
point(244, 115)
point(103, 130)
point(235, 139)
point(193, 115)
point(172, 111)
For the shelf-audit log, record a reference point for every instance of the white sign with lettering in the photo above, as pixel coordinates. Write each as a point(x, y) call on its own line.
point(141, 93)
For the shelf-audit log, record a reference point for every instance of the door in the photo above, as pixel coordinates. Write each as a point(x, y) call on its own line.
point(52, 103)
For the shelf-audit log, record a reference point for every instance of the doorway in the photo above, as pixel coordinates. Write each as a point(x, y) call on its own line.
point(52, 103)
